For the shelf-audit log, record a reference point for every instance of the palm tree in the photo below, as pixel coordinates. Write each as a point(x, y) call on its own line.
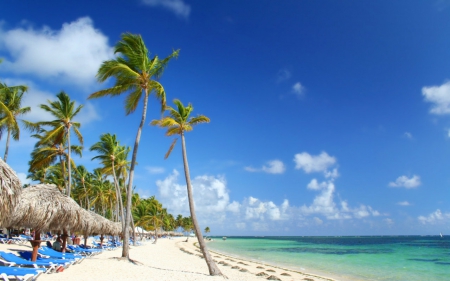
point(109, 149)
point(64, 111)
point(81, 175)
point(47, 153)
point(207, 230)
point(11, 99)
point(134, 73)
point(177, 123)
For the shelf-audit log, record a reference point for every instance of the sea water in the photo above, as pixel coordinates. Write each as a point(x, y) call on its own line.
point(387, 258)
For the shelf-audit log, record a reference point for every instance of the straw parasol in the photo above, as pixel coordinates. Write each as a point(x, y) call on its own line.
point(44, 207)
point(10, 188)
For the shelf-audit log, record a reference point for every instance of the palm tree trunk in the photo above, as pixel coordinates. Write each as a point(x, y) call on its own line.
point(68, 163)
point(134, 231)
point(63, 173)
point(87, 197)
point(213, 269)
point(118, 195)
point(126, 235)
point(7, 145)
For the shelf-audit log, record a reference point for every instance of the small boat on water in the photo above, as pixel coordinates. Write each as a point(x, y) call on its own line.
point(224, 238)
point(441, 235)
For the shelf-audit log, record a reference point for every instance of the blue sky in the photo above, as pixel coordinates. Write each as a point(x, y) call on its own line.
point(327, 117)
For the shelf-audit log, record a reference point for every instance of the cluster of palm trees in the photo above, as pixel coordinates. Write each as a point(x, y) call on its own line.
point(136, 74)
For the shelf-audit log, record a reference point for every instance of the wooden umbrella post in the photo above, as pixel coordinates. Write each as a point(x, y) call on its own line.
point(64, 241)
point(35, 243)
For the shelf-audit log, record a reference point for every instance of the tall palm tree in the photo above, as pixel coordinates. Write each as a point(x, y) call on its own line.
point(11, 99)
point(207, 230)
point(64, 111)
point(134, 73)
point(177, 123)
point(109, 149)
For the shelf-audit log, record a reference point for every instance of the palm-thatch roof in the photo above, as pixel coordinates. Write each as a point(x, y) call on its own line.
point(10, 188)
point(44, 207)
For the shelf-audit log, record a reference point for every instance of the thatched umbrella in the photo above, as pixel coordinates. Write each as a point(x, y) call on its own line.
point(10, 188)
point(44, 207)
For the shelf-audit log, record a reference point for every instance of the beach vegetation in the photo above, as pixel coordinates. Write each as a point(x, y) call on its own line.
point(10, 109)
point(178, 122)
point(136, 74)
point(64, 110)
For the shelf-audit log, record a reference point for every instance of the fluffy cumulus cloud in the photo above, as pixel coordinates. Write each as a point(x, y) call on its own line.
point(73, 53)
point(436, 217)
point(210, 194)
point(255, 209)
point(404, 181)
point(310, 163)
point(271, 167)
point(324, 204)
point(178, 7)
point(439, 97)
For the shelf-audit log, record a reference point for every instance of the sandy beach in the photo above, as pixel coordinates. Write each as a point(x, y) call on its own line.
point(168, 259)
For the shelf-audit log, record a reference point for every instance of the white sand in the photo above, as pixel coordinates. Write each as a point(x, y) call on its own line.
point(165, 261)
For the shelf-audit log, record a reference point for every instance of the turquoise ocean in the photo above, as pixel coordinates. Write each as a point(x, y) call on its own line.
point(387, 258)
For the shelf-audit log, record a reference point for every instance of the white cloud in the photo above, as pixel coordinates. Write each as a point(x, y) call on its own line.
point(155, 170)
point(176, 6)
point(404, 203)
point(439, 96)
point(310, 163)
point(274, 167)
point(298, 89)
point(255, 209)
point(435, 218)
point(211, 196)
point(271, 167)
point(72, 54)
point(388, 221)
point(404, 181)
point(324, 204)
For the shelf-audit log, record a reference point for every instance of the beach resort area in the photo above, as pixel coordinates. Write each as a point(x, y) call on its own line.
point(168, 259)
point(249, 140)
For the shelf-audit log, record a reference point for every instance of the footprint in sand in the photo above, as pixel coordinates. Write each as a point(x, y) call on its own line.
point(273, 277)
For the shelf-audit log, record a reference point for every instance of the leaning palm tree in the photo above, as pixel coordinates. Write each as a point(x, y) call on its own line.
point(64, 111)
point(109, 149)
point(11, 100)
point(177, 123)
point(134, 73)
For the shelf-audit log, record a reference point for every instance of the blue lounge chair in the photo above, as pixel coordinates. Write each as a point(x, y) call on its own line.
point(82, 251)
point(17, 273)
point(47, 251)
point(27, 256)
point(12, 260)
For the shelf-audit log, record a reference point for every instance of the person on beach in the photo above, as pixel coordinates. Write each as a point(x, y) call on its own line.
point(57, 244)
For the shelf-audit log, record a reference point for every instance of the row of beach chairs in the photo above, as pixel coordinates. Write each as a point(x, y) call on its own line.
point(20, 267)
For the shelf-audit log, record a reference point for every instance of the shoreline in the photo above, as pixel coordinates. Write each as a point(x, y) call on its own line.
point(170, 259)
point(263, 263)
